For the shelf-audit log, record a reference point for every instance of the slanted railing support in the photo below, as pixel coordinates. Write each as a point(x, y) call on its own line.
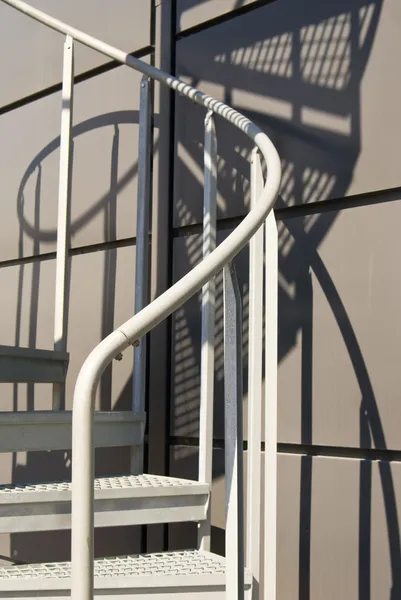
point(63, 218)
point(233, 435)
point(142, 253)
point(208, 323)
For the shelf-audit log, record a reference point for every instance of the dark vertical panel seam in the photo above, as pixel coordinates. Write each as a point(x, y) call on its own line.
point(152, 28)
point(152, 89)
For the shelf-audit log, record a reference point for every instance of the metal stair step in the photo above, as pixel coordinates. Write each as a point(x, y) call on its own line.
point(119, 501)
point(28, 431)
point(185, 574)
point(32, 365)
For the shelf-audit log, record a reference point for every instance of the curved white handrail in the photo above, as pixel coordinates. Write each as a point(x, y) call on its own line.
point(156, 311)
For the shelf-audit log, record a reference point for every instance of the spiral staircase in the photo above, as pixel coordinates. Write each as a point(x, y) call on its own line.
point(135, 498)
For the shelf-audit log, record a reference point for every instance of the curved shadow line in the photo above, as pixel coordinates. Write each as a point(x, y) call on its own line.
point(368, 400)
point(109, 119)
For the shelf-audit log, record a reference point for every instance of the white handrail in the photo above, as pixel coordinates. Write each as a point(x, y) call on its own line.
point(154, 313)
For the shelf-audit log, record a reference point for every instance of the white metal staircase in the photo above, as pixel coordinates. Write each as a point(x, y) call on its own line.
point(136, 498)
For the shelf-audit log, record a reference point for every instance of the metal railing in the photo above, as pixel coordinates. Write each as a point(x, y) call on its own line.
point(215, 259)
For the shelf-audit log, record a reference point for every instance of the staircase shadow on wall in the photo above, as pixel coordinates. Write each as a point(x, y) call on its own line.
point(296, 70)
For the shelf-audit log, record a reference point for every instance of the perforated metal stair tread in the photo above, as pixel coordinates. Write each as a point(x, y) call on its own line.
point(119, 501)
point(172, 569)
point(177, 563)
point(106, 487)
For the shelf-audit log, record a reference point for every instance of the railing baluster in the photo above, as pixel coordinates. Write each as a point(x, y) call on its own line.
point(208, 323)
point(233, 435)
point(63, 214)
point(142, 254)
point(255, 346)
point(271, 282)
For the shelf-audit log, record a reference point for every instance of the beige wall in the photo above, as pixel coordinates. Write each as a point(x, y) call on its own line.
point(192, 13)
point(319, 78)
point(337, 524)
point(105, 142)
point(338, 330)
point(32, 59)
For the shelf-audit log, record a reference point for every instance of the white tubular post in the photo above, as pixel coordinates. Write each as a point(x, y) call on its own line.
point(233, 436)
point(271, 317)
point(255, 353)
point(64, 194)
point(208, 323)
point(142, 254)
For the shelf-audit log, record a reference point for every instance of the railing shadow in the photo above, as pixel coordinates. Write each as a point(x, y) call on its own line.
point(296, 72)
point(371, 429)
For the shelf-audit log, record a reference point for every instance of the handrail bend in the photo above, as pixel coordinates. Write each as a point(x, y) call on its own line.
point(156, 311)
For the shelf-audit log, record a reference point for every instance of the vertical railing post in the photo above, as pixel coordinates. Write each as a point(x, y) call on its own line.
point(63, 214)
point(208, 323)
point(233, 435)
point(255, 352)
point(271, 331)
point(142, 254)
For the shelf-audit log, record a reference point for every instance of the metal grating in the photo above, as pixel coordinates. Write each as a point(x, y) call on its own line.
point(103, 483)
point(170, 563)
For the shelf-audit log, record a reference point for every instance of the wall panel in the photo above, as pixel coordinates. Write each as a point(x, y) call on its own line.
point(315, 79)
point(339, 332)
point(31, 54)
point(195, 12)
point(338, 530)
point(104, 180)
